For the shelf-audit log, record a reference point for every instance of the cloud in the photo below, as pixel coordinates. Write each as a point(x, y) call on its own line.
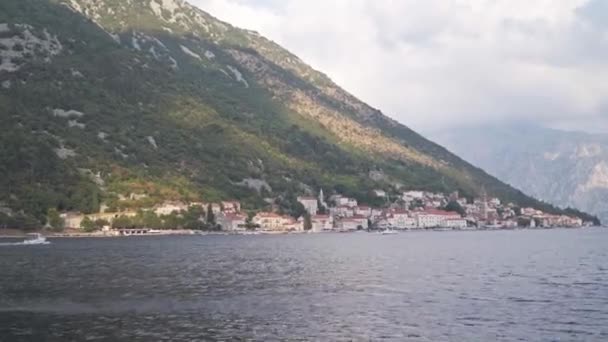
point(433, 64)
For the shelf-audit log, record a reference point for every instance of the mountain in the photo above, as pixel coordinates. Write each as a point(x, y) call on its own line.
point(128, 103)
point(569, 169)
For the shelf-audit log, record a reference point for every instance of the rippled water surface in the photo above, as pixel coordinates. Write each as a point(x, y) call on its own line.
point(448, 286)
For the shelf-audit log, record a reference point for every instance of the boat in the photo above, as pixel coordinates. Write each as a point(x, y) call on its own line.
point(388, 232)
point(35, 239)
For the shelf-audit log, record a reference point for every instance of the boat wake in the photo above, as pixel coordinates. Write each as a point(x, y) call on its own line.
point(34, 239)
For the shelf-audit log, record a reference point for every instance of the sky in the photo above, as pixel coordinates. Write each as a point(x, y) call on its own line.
point(442, 64)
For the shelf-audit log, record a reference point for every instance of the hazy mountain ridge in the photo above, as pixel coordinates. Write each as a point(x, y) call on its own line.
point(564, 168)
point(160, 100)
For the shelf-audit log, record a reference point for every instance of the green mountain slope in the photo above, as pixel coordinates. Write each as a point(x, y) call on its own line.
point(129, 103)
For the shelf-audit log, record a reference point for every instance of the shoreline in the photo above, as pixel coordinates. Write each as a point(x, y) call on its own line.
point(17, 234)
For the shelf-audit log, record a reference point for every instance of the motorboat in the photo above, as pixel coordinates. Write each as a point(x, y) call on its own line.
point(388, 232)
point(35, 239)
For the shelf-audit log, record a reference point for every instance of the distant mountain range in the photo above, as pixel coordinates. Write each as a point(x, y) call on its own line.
point(129, 103)
point(563, 168)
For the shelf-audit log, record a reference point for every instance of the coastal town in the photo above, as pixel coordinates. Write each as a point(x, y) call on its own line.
point(414, 210)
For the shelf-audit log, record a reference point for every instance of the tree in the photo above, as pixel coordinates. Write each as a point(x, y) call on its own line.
point(297, 210)
point(417, 203)
point(172, 221)
point(86, 198)
point(249, 224)
point(100, 223)
point(307, 221)
point(149, 219)
point(87, 225)
point(517, 211)
point(123, 222)
point(210, 215)
point(322, 209)
point(193, 218)
point(54, 220)
point(455, 206)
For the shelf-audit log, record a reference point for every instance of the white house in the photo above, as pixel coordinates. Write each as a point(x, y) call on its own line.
point(400, 219)
point(353, 223)
point(231, 221)
point(231, 206)
point(363, 211)
point(458, 223)
point(376, 213)
point(351, 202)
point(269, 221)
point(322, 223)
point(409, 196)
point(380, 193)
point(291, 224)
point(342, 211)
point(216, 208)
point(342, 201)
point(310, 204)
point(433, 218)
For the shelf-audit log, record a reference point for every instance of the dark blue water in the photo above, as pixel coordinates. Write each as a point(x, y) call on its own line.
point(468, 286)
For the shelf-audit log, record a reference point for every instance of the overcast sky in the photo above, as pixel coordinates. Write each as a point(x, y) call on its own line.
point(433, 64)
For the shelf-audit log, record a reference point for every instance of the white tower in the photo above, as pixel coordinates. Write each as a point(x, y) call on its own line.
point(322, 199)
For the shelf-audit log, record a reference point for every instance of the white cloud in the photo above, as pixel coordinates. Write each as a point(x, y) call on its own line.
point(437, 63)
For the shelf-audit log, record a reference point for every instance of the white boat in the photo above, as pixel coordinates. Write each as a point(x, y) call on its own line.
point(35, 239)
point(388, 232)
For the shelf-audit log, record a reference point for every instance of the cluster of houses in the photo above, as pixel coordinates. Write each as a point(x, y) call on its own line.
point(413, 210)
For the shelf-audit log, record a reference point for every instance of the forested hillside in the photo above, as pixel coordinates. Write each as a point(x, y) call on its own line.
point(129, 103)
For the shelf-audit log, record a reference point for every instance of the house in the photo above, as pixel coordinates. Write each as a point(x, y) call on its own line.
point(292, 225)
point(494, 202)
point(342, 211)
point(433, 218)
point(342, 201)
point(380, 193)
point(310, 204)
point(382, 223)
point(530, 212)
point(351, 202)
point(400, 219)
point(232, 221)
point(198, 205)
point(216, 208)
point(376, 213)
point(457, 223)
point(572, 222)
point(322, 223)
point(231, 206)
point(363, 211)
point(269, 221)
point(410, 196)
point(353, 223)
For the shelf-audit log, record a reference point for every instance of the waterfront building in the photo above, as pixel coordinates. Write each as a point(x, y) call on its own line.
point(400, 219)
point(310, 204)
point(322, 223)
point(269, 221)
point(232, 221)
point(434, 218)
point(352, 223)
